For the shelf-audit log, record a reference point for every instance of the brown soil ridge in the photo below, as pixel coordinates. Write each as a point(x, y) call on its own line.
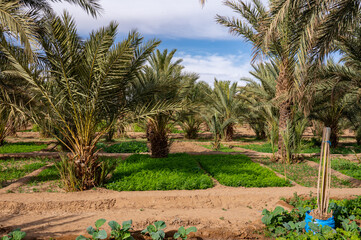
point(354, 182)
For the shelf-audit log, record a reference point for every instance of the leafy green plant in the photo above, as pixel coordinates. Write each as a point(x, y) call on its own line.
point(14, 235)
point(239, 170)
point(95, 233)
point(282, 224)
point(120, 232)
point(156, 230)
point(142, 173)
point(183, 233)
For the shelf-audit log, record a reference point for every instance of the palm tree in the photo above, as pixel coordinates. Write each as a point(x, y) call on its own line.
point(163, 81)
point(226, 104)
point(259, 109)
point(190, 119)
point(282, 46)
point(90, 6)
point(323, 21)
point(77, 81)
point(19, 23)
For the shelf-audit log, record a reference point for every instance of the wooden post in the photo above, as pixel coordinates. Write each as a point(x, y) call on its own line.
point(324, 175)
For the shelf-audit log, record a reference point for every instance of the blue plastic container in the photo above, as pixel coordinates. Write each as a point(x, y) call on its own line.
point(329, 222)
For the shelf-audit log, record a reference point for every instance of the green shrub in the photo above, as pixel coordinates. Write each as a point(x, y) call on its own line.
point(125, 147)
point(142, 173)
point(239, 170)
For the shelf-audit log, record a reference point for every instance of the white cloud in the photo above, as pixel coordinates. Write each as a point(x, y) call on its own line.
point(228, 67)
point(171, 18)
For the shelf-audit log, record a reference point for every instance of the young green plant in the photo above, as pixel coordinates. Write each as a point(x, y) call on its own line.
point(183, 233)
point(156, 231)
point(95, 233)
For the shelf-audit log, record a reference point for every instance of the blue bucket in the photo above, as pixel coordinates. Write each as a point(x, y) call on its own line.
point(329, 222)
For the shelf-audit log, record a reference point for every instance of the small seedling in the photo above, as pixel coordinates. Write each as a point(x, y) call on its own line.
point(14, 235)
point(121, 232)
point(222, 218)
point(95, 233)
point(224, 209)
point(156, 230)
point(183, 233)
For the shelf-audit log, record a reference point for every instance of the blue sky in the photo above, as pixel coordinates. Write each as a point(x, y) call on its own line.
point(205, 46)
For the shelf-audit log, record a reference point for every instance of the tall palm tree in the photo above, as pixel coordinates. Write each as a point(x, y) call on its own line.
point(78, 80)
point(163, 81)
point(325, 20)
point(281, 45)
point(259, 108)
point(90, 6)
point(332, 98)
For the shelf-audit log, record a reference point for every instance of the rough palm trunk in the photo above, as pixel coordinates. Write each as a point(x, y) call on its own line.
point(158, 139)
point(334, 138)
point(110, 134)
point(229, 133)
point(282, 92)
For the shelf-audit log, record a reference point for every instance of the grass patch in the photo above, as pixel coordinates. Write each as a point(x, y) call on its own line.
point(21, 147)
point(48, 174)
point(14, 169)
point(239, 170)
point(309, 147)
point(304, 174)
point(221, 149)
point(124, 147)
point(142, 173)
point(344, 166)
point(265, 148)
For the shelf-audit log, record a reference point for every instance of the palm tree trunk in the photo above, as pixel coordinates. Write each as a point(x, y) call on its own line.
point(158, 139)
point(282, 92)
point(334, 138)
point(229, 133)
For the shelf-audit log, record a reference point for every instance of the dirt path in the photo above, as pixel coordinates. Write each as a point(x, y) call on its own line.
point(58, 214)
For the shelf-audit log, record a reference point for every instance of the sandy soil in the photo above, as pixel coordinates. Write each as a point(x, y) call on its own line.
point(231, 209)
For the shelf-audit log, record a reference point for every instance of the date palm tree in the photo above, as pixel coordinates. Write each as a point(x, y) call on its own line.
point(163, 81)
point(282, 45)
point(226, 104)
point(78, 80)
